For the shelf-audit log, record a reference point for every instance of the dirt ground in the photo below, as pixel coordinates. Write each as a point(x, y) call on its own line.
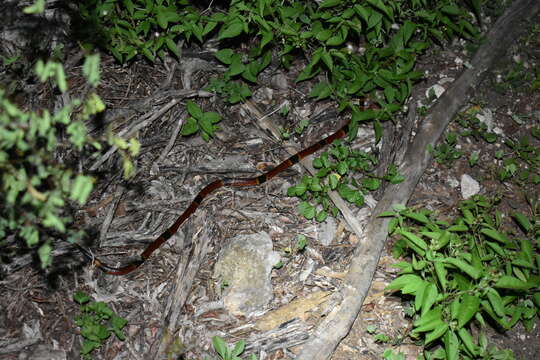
point(37, 319)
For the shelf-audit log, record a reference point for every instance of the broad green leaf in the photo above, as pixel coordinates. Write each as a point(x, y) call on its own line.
point(91, 69)
point(405, 280)
point(430, 296)
point(523, 222)
point(80, 297)
point(329, 3)
point(225, 56)
point(307, 210)
point(321, 90)
point(414, 239)
point(441, 272)
point(206, 126)
point(190, 127)
point(219, 346)
point(82, 186)
point(436, 333)
point(321, 216)
point(232, 30)
point(239, 348)
point(468, 307)
point(468, 341)
point(53, 221)
point(30, 235)
point(194, 110)
point(510, 282)
point(429, 321)
point(380, 5)
point(451, 345)
point(466, 268)
point(495, 235)
point(36, 8)
point(44, 253)
point(453, 10)
point(496, 302)
point(419, 217)
point(458, 228)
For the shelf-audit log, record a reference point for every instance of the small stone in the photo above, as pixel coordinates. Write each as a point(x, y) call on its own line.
point(469, 186)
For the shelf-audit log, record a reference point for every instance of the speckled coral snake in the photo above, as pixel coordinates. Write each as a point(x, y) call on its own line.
point(166, 235)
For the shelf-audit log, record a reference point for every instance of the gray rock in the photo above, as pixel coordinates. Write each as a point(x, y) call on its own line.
point(245, 267)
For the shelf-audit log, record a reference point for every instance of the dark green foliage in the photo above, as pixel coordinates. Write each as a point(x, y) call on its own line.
point(464, 272)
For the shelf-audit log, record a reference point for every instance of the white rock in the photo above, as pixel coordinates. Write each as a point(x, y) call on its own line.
point(436, 90)
point(469, 186)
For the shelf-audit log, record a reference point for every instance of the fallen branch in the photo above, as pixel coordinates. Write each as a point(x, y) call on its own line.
point(340, 318)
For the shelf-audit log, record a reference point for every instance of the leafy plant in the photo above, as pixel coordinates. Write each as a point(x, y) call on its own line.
point(390, 34)
point(462, 272)
point(390, 355)
point(199, 121)
point(380, 337)
point(446, 152)
point(336, 169)
point(230, 354)
point(35, 187)
point(97, 323)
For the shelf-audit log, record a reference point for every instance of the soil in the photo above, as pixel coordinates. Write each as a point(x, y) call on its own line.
point(38, 314)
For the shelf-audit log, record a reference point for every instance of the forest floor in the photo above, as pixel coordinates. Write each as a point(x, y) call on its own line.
point(39, 309)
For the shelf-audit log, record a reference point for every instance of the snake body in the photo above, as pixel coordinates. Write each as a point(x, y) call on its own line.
point(207, 190)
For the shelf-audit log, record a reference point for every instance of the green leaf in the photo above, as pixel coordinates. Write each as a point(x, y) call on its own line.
point(220, 346)
point(439, 331)
point(194, 110)
point(468, 341)
point(451, 345)
point(81, 189)
point(321, 216)
point(466, 268)
point(36, 8)
point(307, 210)
point(409, 280)
point(329, 3)
point(417, 216)
point(510, 282)
point(91, 69)
point(453, 10)
point(190, 127)
point(44, 253)
point(236, 67)
point(495, 235)
point(378, 4)
point(80, 297)
point(212, 117)
point(468, 307)
point(53, 221)
point(30, 234)
point(523, 222)
point(225, 56)
point(414, 239)
point(496, 302)
point(238, 348)
point(206, 125)
point(231, 30)
point(441, 273)
point(429, 298)
point(321, 90)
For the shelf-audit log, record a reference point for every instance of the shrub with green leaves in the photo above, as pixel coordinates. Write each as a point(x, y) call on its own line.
point(35, 187)
point(336, 168)
point(466, 271)
point(388, 35)
point(97, 322)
